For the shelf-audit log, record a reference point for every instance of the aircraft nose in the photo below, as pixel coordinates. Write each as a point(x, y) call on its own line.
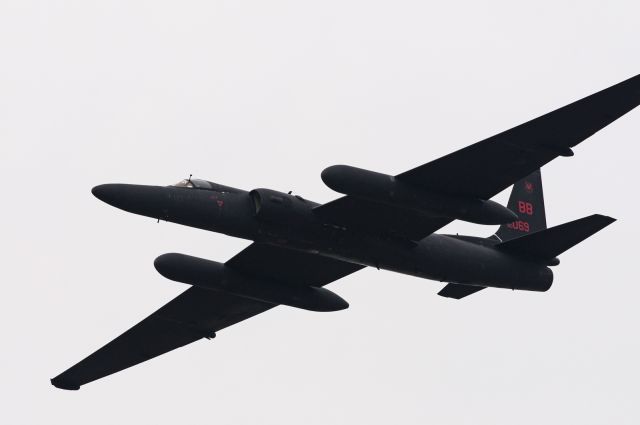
point(106, 192)
point(151, 201)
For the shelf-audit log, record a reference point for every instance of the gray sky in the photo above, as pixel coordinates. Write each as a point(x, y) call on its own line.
point(267, 94)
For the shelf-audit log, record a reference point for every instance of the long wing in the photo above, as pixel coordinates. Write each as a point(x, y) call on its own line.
point(199, 313)
point(194, 314)
point(484, 169)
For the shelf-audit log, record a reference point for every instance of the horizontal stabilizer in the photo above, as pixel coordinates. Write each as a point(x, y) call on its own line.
point(549, 243)
point(457, 291)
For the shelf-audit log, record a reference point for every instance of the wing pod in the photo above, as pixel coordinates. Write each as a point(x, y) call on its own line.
point(386, 189)
point(220, 277)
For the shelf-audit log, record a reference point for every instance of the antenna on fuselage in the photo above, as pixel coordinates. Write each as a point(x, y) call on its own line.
point(189, 179)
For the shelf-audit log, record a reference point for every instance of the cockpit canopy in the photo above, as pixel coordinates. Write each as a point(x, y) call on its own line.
point(204, 185)
point(191, 183)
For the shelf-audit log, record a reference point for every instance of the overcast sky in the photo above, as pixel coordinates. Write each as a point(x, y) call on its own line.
point(267, 94)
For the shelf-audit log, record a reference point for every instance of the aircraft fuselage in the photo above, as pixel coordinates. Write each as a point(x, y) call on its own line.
point(276, 218)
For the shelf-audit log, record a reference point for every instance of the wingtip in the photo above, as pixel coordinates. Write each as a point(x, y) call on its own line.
point(605, 219)
point(64, 384)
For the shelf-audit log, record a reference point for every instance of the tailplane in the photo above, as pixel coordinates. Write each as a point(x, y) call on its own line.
point(546, 245)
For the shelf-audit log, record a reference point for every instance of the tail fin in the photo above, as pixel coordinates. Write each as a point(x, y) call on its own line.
point(526, 200)
point(548, 244)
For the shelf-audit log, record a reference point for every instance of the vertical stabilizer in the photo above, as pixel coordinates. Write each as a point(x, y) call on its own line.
point(526, 200)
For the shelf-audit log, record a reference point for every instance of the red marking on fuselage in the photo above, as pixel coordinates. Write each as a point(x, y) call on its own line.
point(220, 202)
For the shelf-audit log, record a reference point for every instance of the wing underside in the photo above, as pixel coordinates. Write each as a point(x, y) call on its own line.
point(199, 313)
point(484, 169)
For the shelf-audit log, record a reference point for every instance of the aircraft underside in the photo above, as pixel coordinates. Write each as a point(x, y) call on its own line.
point(383, 221)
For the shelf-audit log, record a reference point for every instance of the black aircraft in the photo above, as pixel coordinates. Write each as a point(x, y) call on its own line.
point(383, 221)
